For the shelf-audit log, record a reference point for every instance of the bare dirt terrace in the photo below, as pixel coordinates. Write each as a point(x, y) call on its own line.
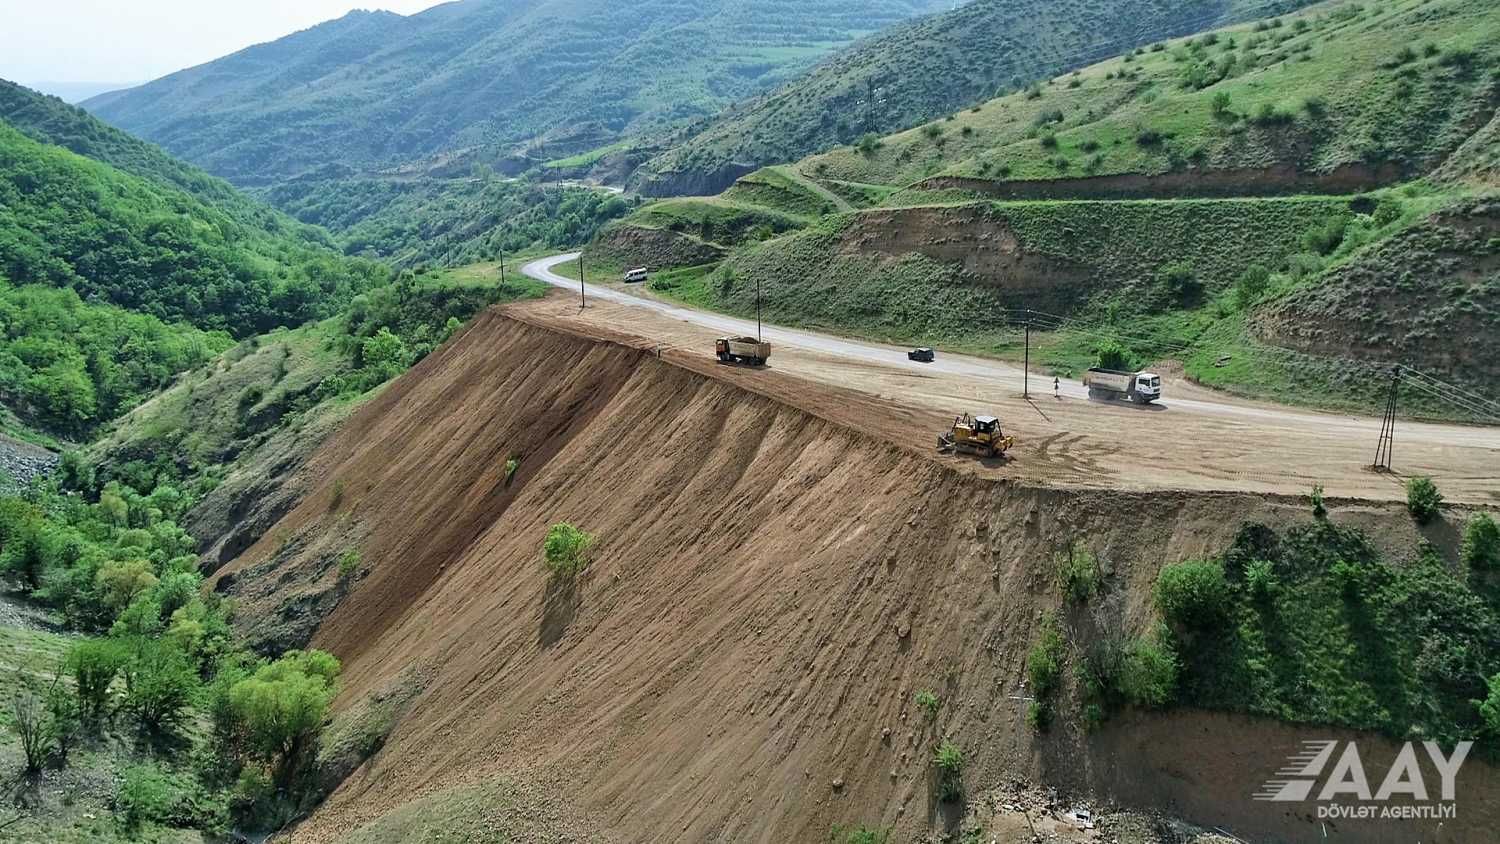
point(781, 563)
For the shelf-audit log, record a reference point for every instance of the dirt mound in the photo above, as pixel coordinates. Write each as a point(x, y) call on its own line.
point(638, 246)
point(769, 590)
point(1275, 180)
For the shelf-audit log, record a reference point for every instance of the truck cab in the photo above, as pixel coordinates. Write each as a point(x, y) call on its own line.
point(1147, 387)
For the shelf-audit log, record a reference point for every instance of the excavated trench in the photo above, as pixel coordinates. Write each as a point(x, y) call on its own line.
point(769, 588)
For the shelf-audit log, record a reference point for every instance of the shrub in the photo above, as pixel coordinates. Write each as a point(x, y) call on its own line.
point(1315, 106)
point(349, 563)
point(949, 761)
point(1039, 715)
point(1251, 285)
point(1192, 594)
point(1489, 708)
point(566, 549)
point(932, 131)
point(858, 835)
point(33, 727)
point(94, 664)
point(1049, 140)
point(1320, 512)
point(868, 144)
point(1260, 579)
point(1148, 675)
point(1423, 499)
point(1180, 280)
point(1481, 545)
point(1149, 138)
point(1270, 115)
point(146, 795)
point(928, 702)
point(1324, 239)
point(251, 397)
point(1078, 573)
point(1044, 662)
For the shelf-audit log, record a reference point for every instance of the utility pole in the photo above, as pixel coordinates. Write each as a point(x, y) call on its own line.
point(502, 267)
point(583, 298)
point(757, 310)
point(1387, 442)
point(1026, 365)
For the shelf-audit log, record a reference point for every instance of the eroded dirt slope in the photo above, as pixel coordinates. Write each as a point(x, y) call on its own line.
point(769, 590)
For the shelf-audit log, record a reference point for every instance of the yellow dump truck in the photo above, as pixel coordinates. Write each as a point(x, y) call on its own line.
point(742, 350)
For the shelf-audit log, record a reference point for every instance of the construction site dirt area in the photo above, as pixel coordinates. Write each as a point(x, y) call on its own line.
point(782, 560)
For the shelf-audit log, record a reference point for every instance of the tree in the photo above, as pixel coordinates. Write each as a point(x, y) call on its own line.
point(1481, 545)
point(1489, 708)
point(1220, 104)
point(1111, 354)
point(278, 711)
point(120, 583)
point(1251, 285)
point(160, 682)
point(566, 549)
point(94, 664)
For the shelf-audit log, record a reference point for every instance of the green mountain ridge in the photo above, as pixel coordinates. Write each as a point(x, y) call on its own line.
point(925, 69)
point(374, 90)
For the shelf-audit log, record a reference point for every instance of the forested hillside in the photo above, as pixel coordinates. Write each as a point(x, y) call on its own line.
point(538, 78)
point(926, 69)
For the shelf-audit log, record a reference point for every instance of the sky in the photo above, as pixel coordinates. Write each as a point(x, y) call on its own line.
point(131, 41)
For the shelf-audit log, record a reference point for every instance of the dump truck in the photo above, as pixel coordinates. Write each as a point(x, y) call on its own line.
point(1139, 387)
point(742, 350)
point(979, 435)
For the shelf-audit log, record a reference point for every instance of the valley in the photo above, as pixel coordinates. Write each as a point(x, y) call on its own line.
point(528, 421)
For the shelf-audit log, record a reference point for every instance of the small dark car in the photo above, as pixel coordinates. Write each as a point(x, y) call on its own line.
point(923, 355)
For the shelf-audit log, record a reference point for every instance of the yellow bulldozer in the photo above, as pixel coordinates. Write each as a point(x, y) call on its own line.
point(979, 435)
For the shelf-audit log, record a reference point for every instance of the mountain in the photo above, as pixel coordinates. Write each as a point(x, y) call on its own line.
point(128, 226)
point(925, 69)
point(77, 92)
point(1248, 203)
point(540, 77)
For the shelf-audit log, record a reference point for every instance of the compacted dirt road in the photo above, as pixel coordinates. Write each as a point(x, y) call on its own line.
point(1194, 439)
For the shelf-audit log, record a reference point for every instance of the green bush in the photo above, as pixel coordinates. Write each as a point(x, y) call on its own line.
point(1489, 708)
point(929, 703)
point(1044, 662)
point(1260, 580)
point(1251, 285)
point(146, 796)
point(94, 663)
point(949, 761)
point(1078, 573)
point(1326, 238)
point(349, 563)
point(1320, 512)
point(1111, 354)
point(1039, 715)
point(1481, 543)
point(858, 835)
point(566, 549)
point(1148, 675)
point(1193, 594)
point(1423, 499)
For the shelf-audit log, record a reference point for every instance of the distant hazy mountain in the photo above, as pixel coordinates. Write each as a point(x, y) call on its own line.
point(77, 92)
point(375, 88)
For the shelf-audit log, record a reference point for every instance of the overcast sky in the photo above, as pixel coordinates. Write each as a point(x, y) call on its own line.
point(139, 40)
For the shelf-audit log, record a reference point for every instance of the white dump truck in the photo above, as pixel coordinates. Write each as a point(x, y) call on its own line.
point(1139, 387)
point(742, 350)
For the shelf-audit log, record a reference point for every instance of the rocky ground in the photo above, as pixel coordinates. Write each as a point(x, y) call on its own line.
point(21, 462)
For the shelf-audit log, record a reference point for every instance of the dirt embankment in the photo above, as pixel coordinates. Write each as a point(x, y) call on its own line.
point(769, 589)
point(1278, 180)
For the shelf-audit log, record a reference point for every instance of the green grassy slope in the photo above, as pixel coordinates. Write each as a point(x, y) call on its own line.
point(1342, 96)
point(554, 77)
point(925, 69)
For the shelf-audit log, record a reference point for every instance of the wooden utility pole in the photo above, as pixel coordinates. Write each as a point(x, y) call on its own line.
point(1026, 365)
point(583, 299)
